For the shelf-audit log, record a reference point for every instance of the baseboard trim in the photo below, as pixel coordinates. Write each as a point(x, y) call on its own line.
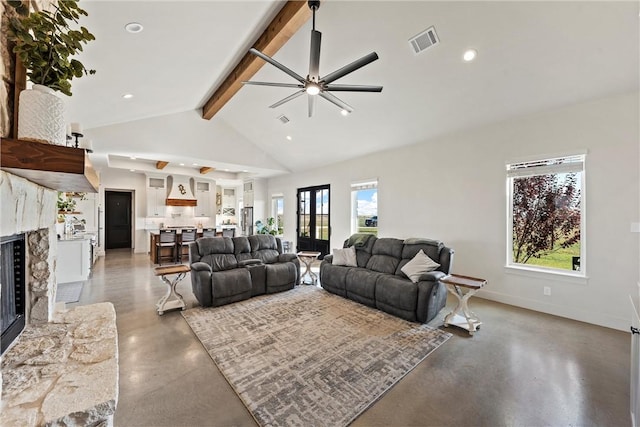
point(573, 313)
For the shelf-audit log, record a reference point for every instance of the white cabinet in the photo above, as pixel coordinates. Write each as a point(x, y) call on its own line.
point(204, 196)
point(74, 260)
point(156, 196)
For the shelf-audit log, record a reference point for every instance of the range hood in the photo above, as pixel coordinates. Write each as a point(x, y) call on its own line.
point(181, 193)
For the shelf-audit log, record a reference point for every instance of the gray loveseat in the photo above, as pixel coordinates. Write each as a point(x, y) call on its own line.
point(226, 270)
point(378, 281)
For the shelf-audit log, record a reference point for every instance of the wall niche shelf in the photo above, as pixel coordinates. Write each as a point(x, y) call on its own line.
point(53, 166)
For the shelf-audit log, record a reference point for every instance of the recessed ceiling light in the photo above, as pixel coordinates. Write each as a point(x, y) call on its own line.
point(133, 157)
point(181, 164)
point(245, 171)
point(344, 112)
point(289, 137)
point(226, 170)
point(132, 170)
point(470, 55)
point(134, 27)
point(195, 164)
point(127, 96)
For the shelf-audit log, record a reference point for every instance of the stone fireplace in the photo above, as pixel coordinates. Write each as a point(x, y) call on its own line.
point(63, 368)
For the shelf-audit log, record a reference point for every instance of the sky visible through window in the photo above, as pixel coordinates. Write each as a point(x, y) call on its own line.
point(368, 202)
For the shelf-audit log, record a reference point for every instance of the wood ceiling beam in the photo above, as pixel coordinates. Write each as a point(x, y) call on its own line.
point(287, 22)
point(161, 164)
point(205, 170)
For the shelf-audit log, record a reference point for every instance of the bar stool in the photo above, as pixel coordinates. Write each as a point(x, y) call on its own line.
point(188, 236)
point(209, 232)
point(167, 239)
point(228, 232)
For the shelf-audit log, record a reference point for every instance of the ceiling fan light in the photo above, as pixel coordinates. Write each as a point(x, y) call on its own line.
point(313, 89)
point(470, 55)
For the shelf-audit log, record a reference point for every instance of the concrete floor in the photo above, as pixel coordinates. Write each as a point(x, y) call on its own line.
point(522, 368)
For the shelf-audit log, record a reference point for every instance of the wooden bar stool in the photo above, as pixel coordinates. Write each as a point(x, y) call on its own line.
point(188, 236)
point(168, 239)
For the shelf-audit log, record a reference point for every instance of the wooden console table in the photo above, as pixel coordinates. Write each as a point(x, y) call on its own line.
point(468, 319)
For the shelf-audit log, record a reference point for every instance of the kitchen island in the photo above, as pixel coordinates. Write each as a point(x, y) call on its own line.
point(75, 257)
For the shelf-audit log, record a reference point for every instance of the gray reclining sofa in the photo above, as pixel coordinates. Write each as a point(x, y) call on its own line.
point(378, 281)
point(226, 270)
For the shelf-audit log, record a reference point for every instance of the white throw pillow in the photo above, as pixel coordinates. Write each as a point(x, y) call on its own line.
point(346, 256)
point(419, 265)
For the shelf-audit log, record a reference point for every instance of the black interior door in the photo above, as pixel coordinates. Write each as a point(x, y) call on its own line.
point(117, 219)
point(314, 227)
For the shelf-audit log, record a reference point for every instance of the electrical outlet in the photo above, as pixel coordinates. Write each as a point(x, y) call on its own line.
point(547, 290)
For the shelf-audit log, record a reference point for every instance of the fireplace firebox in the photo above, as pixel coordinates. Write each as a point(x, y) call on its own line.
point(13, 282)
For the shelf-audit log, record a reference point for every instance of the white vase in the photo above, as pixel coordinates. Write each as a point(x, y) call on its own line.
point(41, 116)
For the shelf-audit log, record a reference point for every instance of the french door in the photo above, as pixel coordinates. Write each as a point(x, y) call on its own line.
point(314, 228)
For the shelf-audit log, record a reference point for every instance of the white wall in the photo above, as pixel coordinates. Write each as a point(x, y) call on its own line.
point(118, 179)
point(453, 188)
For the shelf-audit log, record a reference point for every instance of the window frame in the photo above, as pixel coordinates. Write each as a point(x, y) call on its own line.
point(274, 211)
point(576, 162)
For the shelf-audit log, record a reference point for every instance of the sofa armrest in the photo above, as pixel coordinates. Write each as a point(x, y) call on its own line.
point(248, 262)
point(328, 258)
point(432, 276)
point(287, 257)
point(200, 266)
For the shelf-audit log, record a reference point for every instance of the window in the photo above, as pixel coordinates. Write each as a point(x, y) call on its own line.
point(546, 214)
point(364, 207)
point(277, 211)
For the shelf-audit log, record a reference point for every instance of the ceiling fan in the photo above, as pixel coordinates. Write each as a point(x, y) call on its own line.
point(314, 84)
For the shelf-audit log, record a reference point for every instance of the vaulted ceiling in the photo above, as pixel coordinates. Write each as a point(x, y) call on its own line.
point(532, 56)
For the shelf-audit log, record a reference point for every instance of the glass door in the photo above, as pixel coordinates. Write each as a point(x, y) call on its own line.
point(314, 227)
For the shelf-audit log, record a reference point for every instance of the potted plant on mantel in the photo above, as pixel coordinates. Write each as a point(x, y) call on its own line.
point(44, 43)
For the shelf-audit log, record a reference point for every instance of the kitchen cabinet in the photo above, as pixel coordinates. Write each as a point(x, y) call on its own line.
point(74, 259)
point(204, 196)
point(156, 196)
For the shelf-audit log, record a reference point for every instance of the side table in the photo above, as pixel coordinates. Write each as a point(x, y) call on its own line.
point(172, 299)
point(307, 259)
point(455, 284)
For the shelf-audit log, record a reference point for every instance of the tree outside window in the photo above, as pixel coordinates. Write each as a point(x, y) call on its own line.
point(546, 213)
point(364, 207)
point(277, 209)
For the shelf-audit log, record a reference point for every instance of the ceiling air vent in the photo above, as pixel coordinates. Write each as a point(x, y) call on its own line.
point(426, 39)
point(284, 119)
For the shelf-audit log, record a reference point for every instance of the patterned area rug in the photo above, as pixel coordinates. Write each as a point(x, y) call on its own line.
point(69, 292)
point(306, 357)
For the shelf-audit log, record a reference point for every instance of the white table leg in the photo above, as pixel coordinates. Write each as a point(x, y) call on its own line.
point(469, 320)
point(172, 299)
point(307, 262)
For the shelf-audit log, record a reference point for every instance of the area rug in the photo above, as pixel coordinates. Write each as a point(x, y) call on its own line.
point(306, 357)
point(69, 292)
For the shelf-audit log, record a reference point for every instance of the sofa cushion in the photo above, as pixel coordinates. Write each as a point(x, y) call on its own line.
point(280, 277)
point(333, 278)
point(264, 247)
point(346, 257)
point(397, 296)
point(419, 265)
point(230, 286)
point(215, 251)
point(241, 248)
point(360, 285)
point(386, 255)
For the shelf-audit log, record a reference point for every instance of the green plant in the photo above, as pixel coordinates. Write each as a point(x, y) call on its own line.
point(66, 203)
point(268, 228)
point(44, 42)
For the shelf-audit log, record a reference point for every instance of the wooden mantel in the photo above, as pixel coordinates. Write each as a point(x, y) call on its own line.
point(53, 166)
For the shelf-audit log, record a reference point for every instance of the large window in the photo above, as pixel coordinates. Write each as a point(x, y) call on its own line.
point(277, 211)
point(546, 214)
point(364, 207)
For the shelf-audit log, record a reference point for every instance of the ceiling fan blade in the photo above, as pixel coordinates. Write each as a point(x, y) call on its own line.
point(312, 104)
point(350, 68)
point(287, 99)
point(293, 85)
point(276, 64)
point(353, 88)
point(335, 100)
point(314, 60)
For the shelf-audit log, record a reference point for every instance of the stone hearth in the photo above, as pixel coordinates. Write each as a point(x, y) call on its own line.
point(63, 373)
